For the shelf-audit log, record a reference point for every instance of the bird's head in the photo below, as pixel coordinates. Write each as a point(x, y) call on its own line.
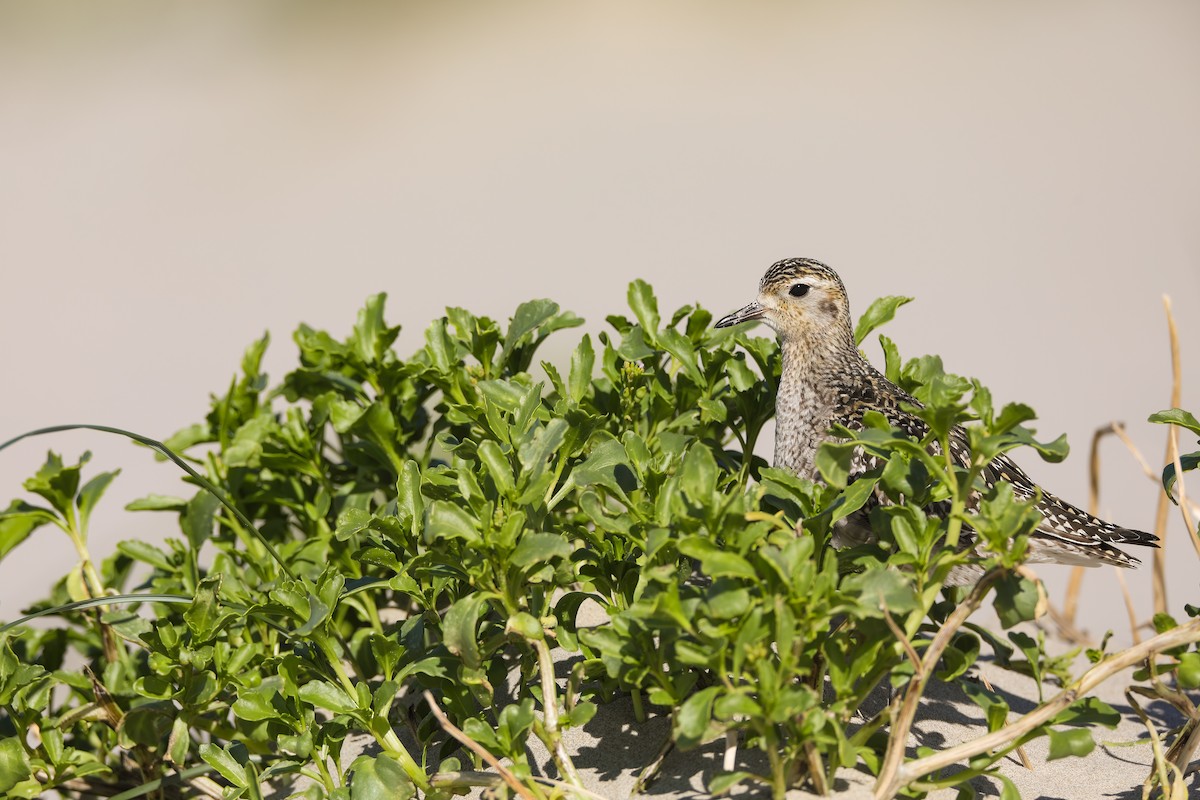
point(801, 299)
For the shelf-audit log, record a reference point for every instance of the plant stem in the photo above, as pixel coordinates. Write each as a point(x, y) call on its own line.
point(550, 714)
point(894, 777)
point(889, 781)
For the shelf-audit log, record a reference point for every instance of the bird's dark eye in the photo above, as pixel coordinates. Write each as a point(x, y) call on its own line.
point(799, 290)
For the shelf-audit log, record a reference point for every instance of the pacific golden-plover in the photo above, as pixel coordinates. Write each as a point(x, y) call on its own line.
point(825, 381)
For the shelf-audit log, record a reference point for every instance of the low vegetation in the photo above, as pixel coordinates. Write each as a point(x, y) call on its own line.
point(396, 546)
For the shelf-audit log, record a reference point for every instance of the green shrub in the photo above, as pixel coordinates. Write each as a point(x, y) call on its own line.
point(373, 528)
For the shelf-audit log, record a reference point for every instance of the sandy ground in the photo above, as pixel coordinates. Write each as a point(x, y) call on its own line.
point(613, 748)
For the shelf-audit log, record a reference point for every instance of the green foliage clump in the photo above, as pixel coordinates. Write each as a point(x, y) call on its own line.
point(376, 535)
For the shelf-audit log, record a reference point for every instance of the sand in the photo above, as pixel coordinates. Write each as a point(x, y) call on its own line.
point(614, 748)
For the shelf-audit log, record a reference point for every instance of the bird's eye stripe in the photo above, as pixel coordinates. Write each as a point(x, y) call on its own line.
point(799, 290)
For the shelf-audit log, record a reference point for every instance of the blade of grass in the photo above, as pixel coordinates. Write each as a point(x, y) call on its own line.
point(154, 444)
point(97, 601)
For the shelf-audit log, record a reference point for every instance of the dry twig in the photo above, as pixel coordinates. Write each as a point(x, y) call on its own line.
point(478, 749)
point(895, 775)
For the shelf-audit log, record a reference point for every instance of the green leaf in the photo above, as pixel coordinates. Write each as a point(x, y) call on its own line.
point(833, 462)
point(448, 521)
point(1177, 416)
point(458, 629)
point(497, 466)
point(157, 502)
point(691, 722)
point(995, 709)
point(1189, 670)
point(1016, 600)
point(583, 362)
point(881, 311)
point(372, 337)
point(600, 467)
point(526, 626)
point(146, 553)
point(715, 561)
point(1072, 742)
point(14, 763)
point(380, 778)
point(542, 446)
point(57, 484)
point(91, 493)
point(525, 320)
point(1189, 462)
point(879, 587)
point(698, 475)
point(256, 704)
point(722, 782)
point(538, 548)
point(645, 307)
point(327, 695)
point(220, 760)
point(197, 520)
point(1088, 711)
point(18, 521)
point(409, 503)
point(204, 617)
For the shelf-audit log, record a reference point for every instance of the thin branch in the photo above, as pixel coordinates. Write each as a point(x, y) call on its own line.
point(550, 714)
point(889, 785)
point(1160, 513)
point(1020, 750)
point(909, 650)
point(1151, 475)
point(476, 748)
point(1075, 584)
point(470, 778)
point(1129, 609)
point(1160, 765)
point(1181, 489)
point(889, 780)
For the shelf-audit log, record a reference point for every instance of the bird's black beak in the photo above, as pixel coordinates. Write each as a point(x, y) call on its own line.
point(749, 313)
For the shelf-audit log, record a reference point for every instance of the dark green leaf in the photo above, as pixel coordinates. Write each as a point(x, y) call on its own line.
point(1016, 600)
point(1188, 462)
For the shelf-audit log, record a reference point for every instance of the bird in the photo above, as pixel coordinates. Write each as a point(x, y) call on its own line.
point(826, 381)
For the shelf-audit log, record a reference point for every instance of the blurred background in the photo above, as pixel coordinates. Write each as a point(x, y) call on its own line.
point(177, 178)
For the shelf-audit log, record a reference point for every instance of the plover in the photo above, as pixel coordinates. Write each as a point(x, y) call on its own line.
point(826, 381)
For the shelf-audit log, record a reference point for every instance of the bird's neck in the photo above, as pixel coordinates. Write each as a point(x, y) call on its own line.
point(808, 400)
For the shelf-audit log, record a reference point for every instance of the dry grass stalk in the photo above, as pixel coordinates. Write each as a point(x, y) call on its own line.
point(478, 749)
point(1129, 609)
point(896, 775)
point(890, 781)
point(1160, 516)
point(1020, 750)
point(1071, 602)
point(1156, 479)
